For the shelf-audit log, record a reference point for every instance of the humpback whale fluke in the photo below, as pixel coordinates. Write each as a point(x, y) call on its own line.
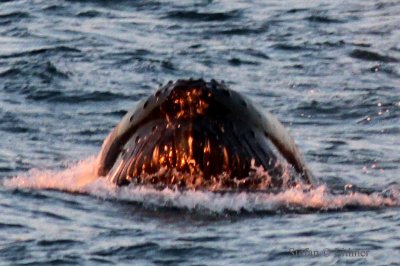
point(198, 134)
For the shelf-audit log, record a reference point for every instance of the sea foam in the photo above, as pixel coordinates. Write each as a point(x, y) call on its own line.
point(81, 178)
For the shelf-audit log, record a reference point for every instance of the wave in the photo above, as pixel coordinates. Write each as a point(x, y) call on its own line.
point(15, 15)
point(9, 122)
point(43, 81)
point(194, 15)
point(81, 178)
point(89, 14)
point(73, 97)
point(8, 18)
point(372, 56)
point(322, 19)
point(234, 61)
point(293, 47)
point(44, 50)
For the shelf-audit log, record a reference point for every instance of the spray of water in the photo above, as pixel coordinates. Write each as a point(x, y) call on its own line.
point(81, 178)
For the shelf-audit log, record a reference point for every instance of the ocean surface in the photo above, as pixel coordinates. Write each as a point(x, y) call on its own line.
point(69, 71)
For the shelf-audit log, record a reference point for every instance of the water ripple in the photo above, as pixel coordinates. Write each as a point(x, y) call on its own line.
point(372, 56)
point(194, 15)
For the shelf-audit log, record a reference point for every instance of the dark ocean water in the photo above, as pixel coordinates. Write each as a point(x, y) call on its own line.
point(69, 70)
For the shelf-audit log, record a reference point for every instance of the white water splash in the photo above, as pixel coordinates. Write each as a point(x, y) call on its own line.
point(81, 178)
